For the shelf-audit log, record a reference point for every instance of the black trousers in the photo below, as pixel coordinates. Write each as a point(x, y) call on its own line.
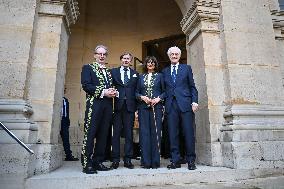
point(64, 133)
point(176, 116)
point(123, 124)
point(98, 119)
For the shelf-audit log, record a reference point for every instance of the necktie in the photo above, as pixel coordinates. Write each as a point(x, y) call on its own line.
point(174, 74)
point(126, 79)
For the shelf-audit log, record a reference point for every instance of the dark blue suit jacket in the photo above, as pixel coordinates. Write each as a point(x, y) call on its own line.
point(158, 90)
point(183, 89)
point(127, 90)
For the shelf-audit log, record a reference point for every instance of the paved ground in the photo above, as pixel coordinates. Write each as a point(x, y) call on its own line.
point(259, 183)
point(70, 176)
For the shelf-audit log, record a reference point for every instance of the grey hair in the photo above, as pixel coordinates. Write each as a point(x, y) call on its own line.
point(173, 48)
point(101, 46)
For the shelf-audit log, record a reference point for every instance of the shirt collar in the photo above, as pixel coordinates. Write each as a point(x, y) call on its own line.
point(102, 66)
point(177, 64)
point(122, 68)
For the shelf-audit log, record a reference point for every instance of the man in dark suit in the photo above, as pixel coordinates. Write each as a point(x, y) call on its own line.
point(64, 131)
point(181, 103)
point(125, 81)
point(96, 81)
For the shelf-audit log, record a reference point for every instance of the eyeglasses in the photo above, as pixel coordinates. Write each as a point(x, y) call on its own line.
point(101, 54)
point(151, 62)
point(174, 54)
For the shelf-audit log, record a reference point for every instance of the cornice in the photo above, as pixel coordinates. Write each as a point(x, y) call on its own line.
point(202, 11)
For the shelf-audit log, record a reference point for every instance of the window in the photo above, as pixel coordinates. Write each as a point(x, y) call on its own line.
point(281, 4)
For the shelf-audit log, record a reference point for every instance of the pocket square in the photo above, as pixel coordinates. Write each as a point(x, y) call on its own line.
point(134, 75)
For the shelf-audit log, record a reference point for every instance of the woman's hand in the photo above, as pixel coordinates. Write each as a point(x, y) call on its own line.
point(146, 99)
point(155, 101)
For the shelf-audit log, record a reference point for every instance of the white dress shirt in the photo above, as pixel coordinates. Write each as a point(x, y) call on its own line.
point(122, 73)
point(172, 67)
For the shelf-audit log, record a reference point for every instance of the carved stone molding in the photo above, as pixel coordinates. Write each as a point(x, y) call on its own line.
point(72, 11)
point(14, 106)
point(64, 8)
point(278, 24)
point(253, 117)
point(15, 114)
point(202, 16)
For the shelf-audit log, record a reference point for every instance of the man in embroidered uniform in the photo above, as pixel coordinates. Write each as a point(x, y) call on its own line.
point(125, 81)
point(181, 103)
point(96, 81)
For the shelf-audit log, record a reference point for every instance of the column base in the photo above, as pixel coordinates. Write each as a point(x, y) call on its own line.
point(253, 137)
point(17, 164)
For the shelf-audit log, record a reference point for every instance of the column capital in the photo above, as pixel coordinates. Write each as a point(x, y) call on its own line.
point(68, 9)
point(203, 16)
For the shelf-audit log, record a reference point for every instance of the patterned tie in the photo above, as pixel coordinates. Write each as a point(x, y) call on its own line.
point(174, 74)
point(126, 79)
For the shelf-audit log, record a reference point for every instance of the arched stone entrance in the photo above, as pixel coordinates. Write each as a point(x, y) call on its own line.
point(234, 48)
point(123, 27)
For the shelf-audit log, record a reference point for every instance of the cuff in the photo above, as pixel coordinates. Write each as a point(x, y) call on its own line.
point(103, 93)
point(194, 104)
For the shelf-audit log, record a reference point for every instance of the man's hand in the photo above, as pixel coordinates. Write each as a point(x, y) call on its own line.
point(110, 92)
point(194, 107)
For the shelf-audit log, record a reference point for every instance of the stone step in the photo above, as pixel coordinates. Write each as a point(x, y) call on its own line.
point(70, 176)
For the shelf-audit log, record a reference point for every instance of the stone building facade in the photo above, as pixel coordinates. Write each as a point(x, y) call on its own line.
point(235, 48)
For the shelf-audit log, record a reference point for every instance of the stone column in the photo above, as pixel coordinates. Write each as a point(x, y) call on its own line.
point(201, 26)
point(34, 44)
point(253, 132)
point(16, 35)
point(234, 48)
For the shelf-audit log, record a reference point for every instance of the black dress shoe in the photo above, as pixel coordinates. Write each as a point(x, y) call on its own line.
point(182, 161)
point(71, 158)
point(89, 170)
point(146, 166)
point(114, 165)
point(100, 167)
point(173, 166)
point(128, 165)
point(155, 166)
point(191, 166)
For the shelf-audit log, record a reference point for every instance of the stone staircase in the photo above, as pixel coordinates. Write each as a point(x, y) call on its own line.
point(70, 176)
